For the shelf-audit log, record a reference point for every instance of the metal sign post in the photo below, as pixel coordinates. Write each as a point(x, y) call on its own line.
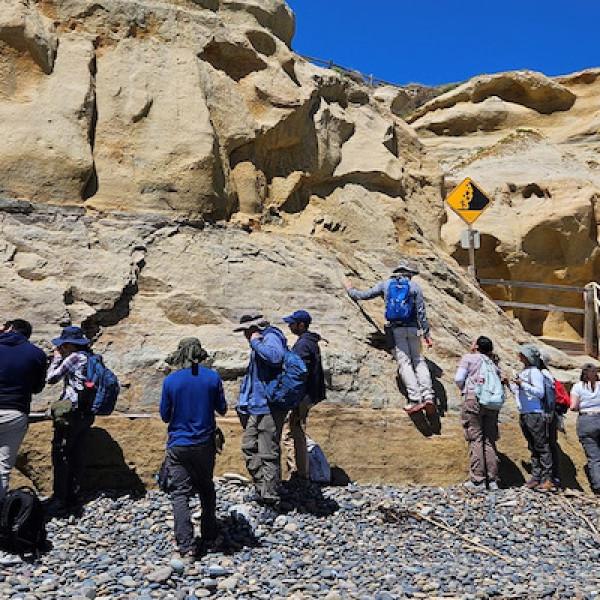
point(468, 201)
point(472, 271)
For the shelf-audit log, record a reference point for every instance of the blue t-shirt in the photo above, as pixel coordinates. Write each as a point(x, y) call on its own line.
point(189, 403)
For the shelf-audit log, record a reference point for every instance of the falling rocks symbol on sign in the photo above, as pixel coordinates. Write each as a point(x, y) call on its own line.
point(477, 200)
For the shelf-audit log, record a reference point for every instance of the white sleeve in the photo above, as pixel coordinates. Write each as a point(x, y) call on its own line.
point(461, 377)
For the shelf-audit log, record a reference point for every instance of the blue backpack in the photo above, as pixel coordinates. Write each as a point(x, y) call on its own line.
point(290, 386)
point(399, 304)
point(104, 385)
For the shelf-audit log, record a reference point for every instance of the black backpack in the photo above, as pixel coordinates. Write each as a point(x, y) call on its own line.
point(22, 522)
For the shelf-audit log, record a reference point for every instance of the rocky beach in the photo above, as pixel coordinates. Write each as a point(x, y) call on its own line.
point(366, 542)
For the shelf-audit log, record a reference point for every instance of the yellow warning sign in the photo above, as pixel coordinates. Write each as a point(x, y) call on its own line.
point(468, 201)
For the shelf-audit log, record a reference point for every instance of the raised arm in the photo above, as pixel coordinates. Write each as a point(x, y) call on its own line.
point(536, 386)
point(61, 366)
point(373, 292)
point(269, 347)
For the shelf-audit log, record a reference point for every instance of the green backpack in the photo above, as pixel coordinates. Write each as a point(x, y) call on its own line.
point(488, 389)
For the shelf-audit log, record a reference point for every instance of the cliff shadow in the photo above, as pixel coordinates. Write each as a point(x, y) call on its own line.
point(509, 472)
point(567, 470)
point(106, 468)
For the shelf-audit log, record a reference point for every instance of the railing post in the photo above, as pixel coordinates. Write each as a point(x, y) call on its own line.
point(590, 319)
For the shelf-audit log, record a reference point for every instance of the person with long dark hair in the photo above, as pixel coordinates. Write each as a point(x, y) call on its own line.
point(585, 399)
point(480, 422)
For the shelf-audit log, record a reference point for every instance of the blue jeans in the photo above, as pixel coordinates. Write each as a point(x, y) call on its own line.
point(588, 431)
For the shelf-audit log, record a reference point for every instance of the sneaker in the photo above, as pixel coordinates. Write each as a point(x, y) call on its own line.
point(414, 407)
point(493, 486)
point(430, 408)
point(473, 487)
point(532, 484)
point(547, 486)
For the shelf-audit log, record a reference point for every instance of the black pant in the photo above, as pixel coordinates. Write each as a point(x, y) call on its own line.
point(190, 471)
point(68, 455)
point(553, 439)
point(535, 427)
point(588, 431)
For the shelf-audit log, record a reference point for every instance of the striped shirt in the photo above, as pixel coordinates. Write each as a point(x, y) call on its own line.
point(73, 371)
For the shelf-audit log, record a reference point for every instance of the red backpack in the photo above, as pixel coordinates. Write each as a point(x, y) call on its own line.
point(563, 400)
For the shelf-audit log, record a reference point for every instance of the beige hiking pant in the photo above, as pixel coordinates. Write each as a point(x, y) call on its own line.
point(294, 440)
point(481, 432)
point(412, 366)
point(13, 427)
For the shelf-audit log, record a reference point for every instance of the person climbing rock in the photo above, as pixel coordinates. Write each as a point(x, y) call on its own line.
point(191, 396)
point(263, 424)
point(406, 316)
point(22, 374)
point(307, 347)
point(480, 382)
point(529, 390)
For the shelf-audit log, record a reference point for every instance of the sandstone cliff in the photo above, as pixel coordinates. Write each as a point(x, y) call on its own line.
point(533, 143)
point(167, 165)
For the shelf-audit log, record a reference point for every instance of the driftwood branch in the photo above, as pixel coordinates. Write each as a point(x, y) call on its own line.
point(395, 515)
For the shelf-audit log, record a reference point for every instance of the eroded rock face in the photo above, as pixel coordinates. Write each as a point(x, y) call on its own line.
point(526, 88)
point(141, 283)
point(542, 171)
point(180, 165)
point(45, 123)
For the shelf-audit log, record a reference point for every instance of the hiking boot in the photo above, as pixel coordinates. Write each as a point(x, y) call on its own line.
point(532, 484)
point(547, 486)
point(414, 407)
point(493, 486)
point(473, 487)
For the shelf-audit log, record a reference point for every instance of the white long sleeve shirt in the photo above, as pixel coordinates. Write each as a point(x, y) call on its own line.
point(530, 393)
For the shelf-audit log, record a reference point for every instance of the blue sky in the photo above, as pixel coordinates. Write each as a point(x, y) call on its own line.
point(442, 41)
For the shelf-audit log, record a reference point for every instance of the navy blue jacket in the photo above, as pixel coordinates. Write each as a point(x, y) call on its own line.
point(188, 404)
point(22, 371)
point(307, 348)
point(266, 362)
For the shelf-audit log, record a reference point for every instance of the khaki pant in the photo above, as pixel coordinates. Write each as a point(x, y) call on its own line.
point(294, 440)
point(13, 427)
point(412, 365)
point(481, 432)
point(261, 446)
